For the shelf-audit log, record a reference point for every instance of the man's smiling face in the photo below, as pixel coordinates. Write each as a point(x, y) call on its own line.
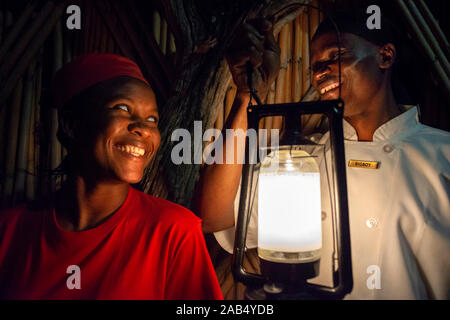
point(360, 72)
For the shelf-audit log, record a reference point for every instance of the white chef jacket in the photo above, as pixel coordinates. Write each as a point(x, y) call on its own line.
point(399, 213)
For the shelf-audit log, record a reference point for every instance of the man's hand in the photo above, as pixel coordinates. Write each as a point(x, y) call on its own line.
point(254, 42)
point(218, 184)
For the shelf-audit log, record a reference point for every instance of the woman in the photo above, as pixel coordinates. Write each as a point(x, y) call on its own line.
point(97, 237)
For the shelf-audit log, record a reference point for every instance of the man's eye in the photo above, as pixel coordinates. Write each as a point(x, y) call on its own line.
point(124, 107)
point(335, 54)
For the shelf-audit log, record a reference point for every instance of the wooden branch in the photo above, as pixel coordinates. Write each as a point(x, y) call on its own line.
point(434, 26)
point(420, 38)
point(197, 73)
point(158, 78)
point(314, 19)
point(3, 123)
point(305, 55)
point(287, 81)
point(172, 47)
point(67, 48)
point(30, 177)
point(155, 73)
point(12, 36)
point(149, 39)
point(94, 36)
point(176, 20)
point(297, 60)
point(163, 38)
point(87, 25)
point(429, 37)
point(67, 57)
point(284, 11)
point(57, 62)
point(1, 27)
point(280, 94)
point(199, 89)
point(12, 56)
point(104, 9)
point(11, 146)
point(9, 20)
point(37, 124)
point(9, 84)
point(156, 24)
point(270, 100)
point(104, 38)
point(23, 135)
point(33, 151)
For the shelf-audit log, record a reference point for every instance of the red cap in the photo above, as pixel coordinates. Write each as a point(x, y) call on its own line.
point(85, 71)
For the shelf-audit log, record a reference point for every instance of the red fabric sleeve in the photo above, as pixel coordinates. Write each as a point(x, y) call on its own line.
point(190, 272)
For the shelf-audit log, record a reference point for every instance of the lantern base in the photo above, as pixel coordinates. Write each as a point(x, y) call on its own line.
point(289, 273)
point(262, 293)
point(286, 281)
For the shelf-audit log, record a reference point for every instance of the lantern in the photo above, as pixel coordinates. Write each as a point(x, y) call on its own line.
point(288, 184)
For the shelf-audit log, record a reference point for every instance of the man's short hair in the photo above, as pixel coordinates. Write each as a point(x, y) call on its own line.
point(354, 21)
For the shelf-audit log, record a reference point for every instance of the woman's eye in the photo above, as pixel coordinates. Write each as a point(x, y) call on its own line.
point(123, 107)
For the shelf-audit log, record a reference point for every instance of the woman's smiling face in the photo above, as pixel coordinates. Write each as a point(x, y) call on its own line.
point(121, 136)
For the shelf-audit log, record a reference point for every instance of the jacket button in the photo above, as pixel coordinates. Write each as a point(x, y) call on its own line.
point(388, 148)
point(371, 223)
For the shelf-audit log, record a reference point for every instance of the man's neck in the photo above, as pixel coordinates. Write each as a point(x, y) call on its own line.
point(82, 205)
point(379, 110)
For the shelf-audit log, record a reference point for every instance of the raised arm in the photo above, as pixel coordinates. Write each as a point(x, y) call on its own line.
point(218, 184)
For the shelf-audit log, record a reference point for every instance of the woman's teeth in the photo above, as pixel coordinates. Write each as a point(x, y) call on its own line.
point(330, 87)
point(135, 151)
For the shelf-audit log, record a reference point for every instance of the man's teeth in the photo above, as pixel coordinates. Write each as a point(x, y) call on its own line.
point(330, 87)
point(135, 151)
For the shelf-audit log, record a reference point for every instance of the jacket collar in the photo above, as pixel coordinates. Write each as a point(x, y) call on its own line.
point(386, 131)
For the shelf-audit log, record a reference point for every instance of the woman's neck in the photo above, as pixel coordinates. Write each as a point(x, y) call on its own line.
point(82, 205)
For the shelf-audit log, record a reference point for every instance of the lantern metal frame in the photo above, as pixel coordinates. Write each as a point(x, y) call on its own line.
point(342, 275)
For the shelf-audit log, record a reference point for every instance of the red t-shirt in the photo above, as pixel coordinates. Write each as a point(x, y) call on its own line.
point(149, 248)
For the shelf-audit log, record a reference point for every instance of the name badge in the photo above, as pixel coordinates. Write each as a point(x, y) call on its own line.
point(363, 164)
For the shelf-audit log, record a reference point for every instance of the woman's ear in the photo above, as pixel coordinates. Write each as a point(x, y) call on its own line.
point(67, 127)
point(387, 55)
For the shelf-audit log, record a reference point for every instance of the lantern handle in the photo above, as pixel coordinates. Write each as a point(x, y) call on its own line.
point(253, 91)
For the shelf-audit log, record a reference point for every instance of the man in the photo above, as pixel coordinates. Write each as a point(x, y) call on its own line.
point(400, 212)
point(97, 237)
